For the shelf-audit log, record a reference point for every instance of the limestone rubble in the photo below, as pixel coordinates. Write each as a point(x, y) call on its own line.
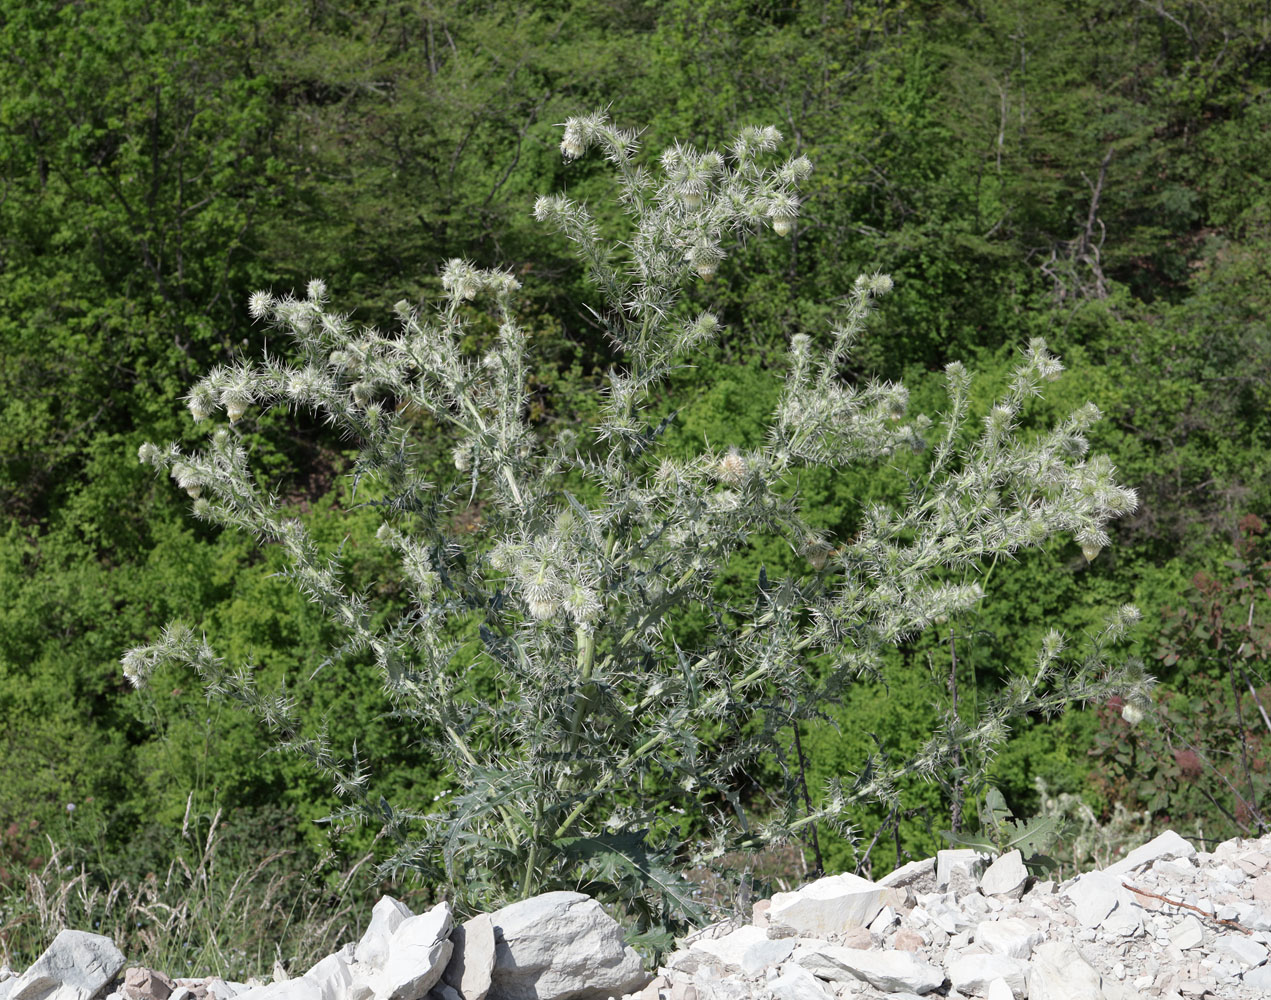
point(1163, 922)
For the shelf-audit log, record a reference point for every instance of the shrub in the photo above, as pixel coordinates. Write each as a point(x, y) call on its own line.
point(580, 570)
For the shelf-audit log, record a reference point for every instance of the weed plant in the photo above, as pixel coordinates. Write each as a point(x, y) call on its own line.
point(630, 691)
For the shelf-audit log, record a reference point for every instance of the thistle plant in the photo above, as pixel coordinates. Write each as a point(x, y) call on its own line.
point(632, 690)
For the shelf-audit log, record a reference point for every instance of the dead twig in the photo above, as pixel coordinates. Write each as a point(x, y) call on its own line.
point(1188, 906)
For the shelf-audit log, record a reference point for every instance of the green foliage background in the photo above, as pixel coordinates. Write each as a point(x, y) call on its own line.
point(1091, 171)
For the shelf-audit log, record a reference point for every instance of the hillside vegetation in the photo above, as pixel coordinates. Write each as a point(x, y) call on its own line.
point(1092, 172)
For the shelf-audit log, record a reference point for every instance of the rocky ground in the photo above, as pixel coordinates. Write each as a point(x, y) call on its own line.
point(1164, 922)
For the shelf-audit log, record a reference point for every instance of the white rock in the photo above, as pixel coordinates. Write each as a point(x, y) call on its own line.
point(882, 923)
point(748, 949)
point(418, 953)
point(386, 916)
point(1060, 972)
point(908, 874)
point(1000, 989)
point(965, 860)
point(76, 966)
point(826, 906)
point(797, 983)
point(1094, 896)
point(1005, 876)
point(1258, 979)
point(472, 961)
point(1187, 934)
point(889, 971)
point(1009, 936)
point(285, 989)
point(561, 946)
point(332, 976)
point(1168, 846)
point(972, 974)
point(1242, 948)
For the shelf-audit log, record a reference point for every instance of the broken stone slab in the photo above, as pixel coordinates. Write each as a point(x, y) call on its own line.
point(971, 974)
point(1000, 989)
point(146, 984)
point(1242, 948)
point(797, 983)
point(962, 860)
point(1010, 936)
point(1168, 846)
point(561, 946)
point(386, 916)
point(1059, 971)
point(333, 975)
point(1095, 895)
point(827, 906)
point(472, 961)
point(889, 971)
point(418, 953)
point(76, 966)
point(911, 874)
point(747, 949)
point(1006, 876)
point(285, 989)
point(1259, 978)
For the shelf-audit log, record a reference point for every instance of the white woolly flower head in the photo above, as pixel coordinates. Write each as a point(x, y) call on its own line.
point(731, 468)
point(880, 284)
point(580, 133)
point(461, 279)
point(260, 304)
point(149, 454)
point(1131, 713)
point(316, 290)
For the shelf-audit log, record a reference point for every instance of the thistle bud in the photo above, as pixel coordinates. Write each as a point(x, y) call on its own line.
point(236, 403)
point(1132, 714)
point(201, 402)
point(187, 479)
point(783, 209)
point(148, 454)
point(1091, 551)
point(574, 142)
point(316, 291)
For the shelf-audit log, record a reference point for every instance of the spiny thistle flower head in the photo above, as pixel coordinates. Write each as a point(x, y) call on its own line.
point(201, 401)
point(187, 479)
point(149, 454)
point(550, 207)
point(783, 209)
point(880, 284)
point(580, 133)
point(260, 304)
point(236, 397)
point(705, 258)
point(461, 279)
point(316, 290)
point(731, 468)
